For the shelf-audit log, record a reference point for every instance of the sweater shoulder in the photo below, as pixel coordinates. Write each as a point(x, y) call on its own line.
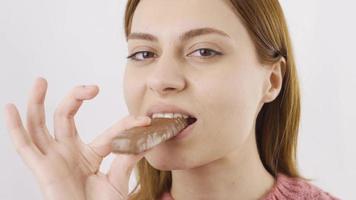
point(287, 187)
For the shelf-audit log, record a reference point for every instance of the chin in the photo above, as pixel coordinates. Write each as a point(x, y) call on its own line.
point(165, 166)
point(166, 161)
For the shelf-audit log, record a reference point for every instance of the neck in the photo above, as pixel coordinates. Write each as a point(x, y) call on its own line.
point(238, 175)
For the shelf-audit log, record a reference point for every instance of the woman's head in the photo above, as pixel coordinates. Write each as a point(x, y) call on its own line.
point(230, 64)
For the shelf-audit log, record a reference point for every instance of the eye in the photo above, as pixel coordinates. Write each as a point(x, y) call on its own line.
point(140, 56)
point(206, 53)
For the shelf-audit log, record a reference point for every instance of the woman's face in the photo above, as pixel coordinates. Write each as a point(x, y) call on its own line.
point(223, 91)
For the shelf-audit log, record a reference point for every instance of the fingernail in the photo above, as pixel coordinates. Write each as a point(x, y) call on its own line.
point(88, 86)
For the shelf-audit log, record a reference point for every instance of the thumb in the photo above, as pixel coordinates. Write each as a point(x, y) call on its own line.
point(121, 169)
point(102, 143)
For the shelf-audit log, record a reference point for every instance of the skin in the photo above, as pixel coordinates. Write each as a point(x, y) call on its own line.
point(64, 166)
point(219, 160)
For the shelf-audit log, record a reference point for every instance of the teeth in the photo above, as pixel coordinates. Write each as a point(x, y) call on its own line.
point(178, 115)
point(169, 115)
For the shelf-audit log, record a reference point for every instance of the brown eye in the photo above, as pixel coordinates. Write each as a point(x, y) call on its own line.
point(141, 55)
point(206, 53)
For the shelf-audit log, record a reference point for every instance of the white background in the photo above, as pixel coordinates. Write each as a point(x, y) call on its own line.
point(72, 42)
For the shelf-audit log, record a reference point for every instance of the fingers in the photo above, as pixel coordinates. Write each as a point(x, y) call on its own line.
point(36, 119)
point(22, 141)
point(102, 144)
point(64, 125)
point(123, 164)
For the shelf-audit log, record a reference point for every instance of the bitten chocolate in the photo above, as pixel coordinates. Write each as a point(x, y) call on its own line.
point(139, 139)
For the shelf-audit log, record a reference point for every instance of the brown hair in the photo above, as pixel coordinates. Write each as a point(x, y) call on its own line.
point(277, 123)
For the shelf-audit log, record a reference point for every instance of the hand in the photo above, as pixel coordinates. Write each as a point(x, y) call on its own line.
point(63, 165)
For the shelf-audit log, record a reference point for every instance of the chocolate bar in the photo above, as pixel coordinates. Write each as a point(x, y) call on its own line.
point(139, 139)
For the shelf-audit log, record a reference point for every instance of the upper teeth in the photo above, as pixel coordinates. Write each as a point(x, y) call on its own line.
point(168, 115)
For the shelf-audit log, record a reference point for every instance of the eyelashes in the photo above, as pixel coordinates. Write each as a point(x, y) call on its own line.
point(203, 51)
point(133, 56)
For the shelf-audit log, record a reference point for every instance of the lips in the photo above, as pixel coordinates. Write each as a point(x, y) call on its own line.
point(185, 132)
point(168, 108)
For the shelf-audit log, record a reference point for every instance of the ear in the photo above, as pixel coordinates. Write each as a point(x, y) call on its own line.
point(274, 80)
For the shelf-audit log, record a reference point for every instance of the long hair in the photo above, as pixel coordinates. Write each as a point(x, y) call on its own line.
point(277, 123)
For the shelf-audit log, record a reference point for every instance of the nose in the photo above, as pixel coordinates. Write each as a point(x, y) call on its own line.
point(166, 76)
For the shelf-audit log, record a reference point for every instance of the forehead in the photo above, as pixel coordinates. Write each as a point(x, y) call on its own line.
point(169, 18)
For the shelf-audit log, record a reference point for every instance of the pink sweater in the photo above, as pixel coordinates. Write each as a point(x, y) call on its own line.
point(287, 188)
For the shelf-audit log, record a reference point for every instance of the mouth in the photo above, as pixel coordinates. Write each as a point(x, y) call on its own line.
point(187, 130)
point(163, 108)
point(191, 120)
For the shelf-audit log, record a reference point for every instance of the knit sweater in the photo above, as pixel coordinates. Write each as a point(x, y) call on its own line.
point(288, 188)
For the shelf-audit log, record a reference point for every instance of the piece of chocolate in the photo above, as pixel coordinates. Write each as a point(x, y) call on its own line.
point(139, 139)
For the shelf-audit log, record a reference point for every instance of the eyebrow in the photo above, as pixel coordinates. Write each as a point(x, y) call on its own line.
point(184, 37)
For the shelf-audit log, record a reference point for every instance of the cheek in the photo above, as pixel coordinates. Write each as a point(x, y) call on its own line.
point(132, 92)
point(230, 100)
point(227, 112)
point(127, 86)
point(228, 115)
point(230, 110)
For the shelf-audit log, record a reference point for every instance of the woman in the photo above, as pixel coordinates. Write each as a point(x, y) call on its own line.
point(229, 64)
